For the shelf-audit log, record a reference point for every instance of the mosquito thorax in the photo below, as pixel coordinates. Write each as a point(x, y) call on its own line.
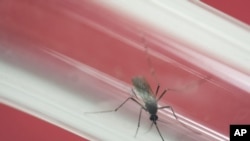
point(153, 118)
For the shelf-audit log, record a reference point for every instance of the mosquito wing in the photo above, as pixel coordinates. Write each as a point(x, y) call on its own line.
point(143, 89)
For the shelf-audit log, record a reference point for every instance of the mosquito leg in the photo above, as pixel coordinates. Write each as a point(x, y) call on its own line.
point(169, 107)
point(116, 109)
point(157, 89)
point(184, 125)
point(133, 91)
point(191, 85)
point(162, 94)
point(158, 130)
point(150, 127)
point(151, 68)
point(139, 121)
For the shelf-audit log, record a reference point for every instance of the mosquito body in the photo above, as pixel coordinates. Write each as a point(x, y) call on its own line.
point(146, 98)
point(144, 91)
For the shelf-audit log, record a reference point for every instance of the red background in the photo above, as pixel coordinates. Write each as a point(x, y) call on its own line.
point(238, 9)
point(52, 24)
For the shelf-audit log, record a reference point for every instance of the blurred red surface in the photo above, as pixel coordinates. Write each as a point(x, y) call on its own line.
point(66, 27)
point(238, 9)
point(19, 126)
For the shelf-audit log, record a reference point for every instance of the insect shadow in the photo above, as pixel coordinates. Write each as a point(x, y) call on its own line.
point(144, 96)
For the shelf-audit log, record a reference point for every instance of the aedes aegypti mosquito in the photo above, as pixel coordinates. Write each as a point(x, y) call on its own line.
point(148, 103)
point(143, 89)
point(146, 98)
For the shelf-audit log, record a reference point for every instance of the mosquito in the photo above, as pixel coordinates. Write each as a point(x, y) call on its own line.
point(146, 98)
point(144, 91)
point(141, 89)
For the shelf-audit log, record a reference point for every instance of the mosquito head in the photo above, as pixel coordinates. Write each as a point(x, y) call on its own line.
point(153, 118)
